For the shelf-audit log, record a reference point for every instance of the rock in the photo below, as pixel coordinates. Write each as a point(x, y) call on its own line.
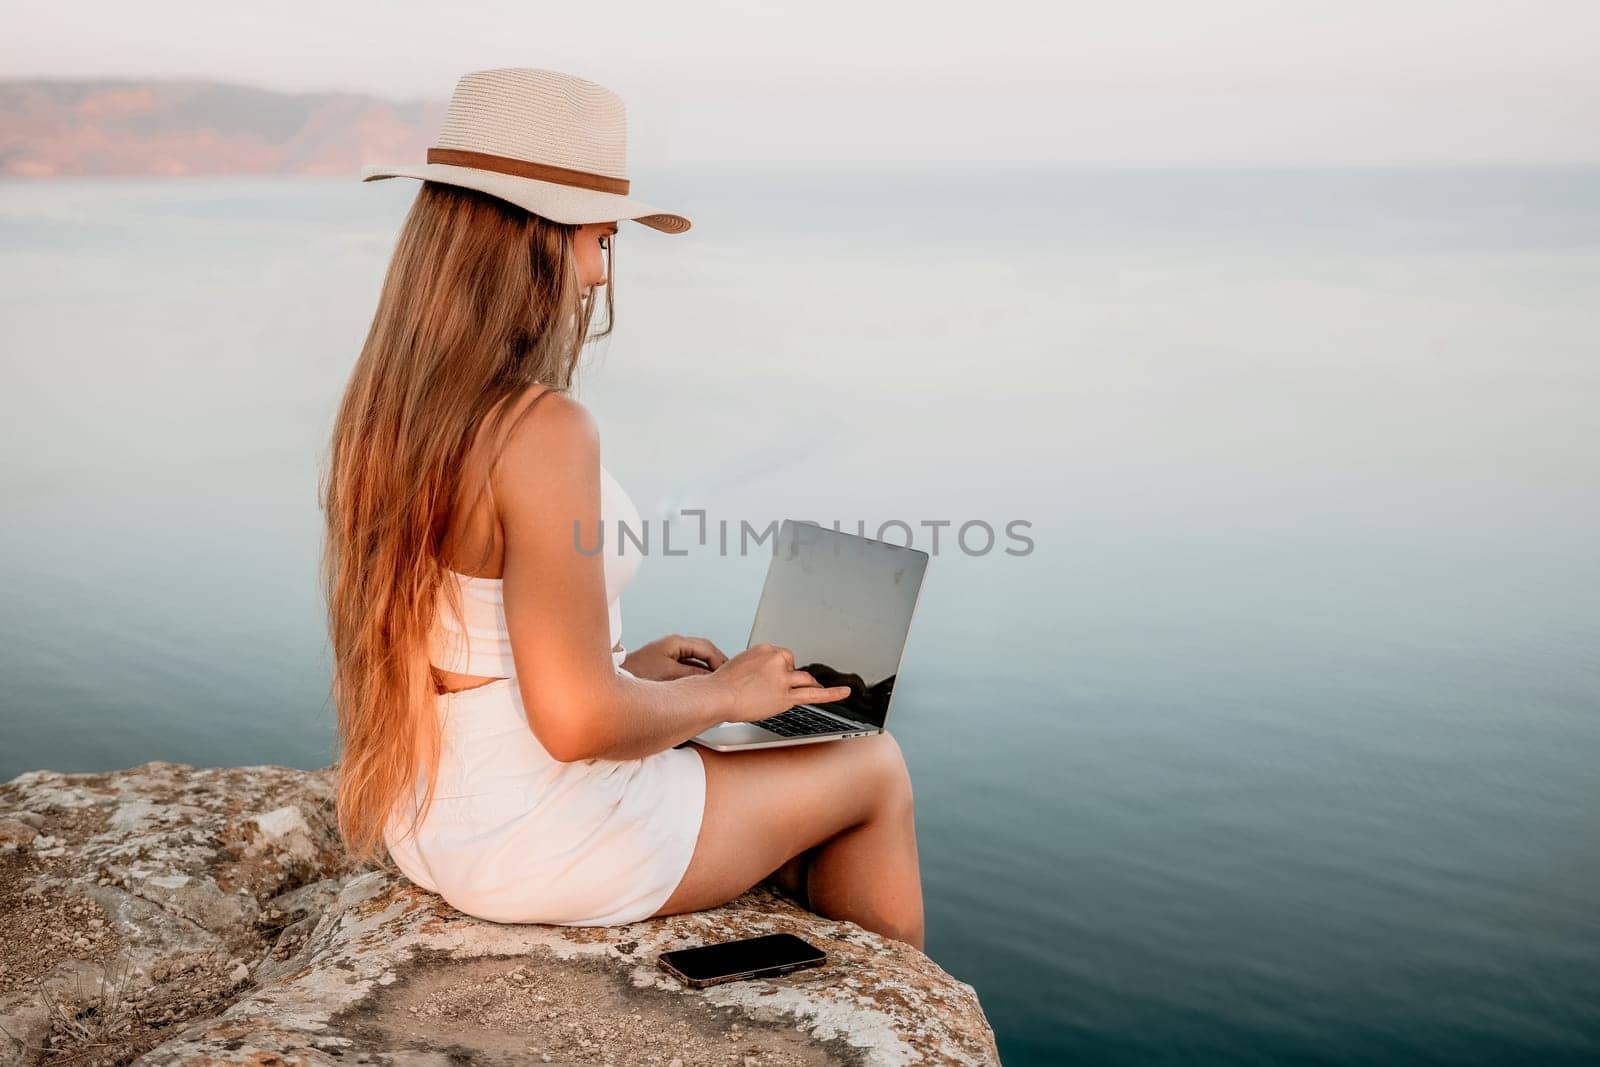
point(16, 832)
point(219, 924)
point(152, 880)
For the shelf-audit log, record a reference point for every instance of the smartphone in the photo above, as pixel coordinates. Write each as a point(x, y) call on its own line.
point(750, 957)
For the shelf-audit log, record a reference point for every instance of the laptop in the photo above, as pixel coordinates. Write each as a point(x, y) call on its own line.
point(843, 605)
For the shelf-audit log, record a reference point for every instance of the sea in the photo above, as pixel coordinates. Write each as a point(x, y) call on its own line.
point(1252, 702)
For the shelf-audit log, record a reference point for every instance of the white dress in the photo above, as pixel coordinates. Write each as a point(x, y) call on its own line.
point(515, 835)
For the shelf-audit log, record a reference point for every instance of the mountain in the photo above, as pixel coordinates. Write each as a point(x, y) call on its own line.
point(70, 127)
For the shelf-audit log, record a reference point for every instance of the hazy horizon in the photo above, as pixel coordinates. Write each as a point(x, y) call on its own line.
point(1241, 83)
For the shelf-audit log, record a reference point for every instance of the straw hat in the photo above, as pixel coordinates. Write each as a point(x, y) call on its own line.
point(552, 143)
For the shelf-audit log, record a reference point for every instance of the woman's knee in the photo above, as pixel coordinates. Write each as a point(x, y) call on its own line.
point(889, 771)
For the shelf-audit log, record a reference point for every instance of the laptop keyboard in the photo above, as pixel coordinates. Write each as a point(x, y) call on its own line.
point(799, 721)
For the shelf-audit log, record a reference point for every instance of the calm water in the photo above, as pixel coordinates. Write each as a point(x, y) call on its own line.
point(1283, 744)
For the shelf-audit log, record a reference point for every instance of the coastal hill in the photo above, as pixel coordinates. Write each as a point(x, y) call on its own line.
point(61, 128)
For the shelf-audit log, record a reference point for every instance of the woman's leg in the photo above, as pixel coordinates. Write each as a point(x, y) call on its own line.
point(848, 801)
point(791, 877)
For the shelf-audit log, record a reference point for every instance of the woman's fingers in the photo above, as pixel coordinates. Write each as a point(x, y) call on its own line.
point(798, 678)
point(700, 648)
point(818, 694)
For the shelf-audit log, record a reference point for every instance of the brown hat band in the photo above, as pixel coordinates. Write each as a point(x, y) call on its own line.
point(521, 168)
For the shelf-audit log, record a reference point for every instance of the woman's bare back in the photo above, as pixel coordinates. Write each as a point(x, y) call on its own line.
point(474, 542)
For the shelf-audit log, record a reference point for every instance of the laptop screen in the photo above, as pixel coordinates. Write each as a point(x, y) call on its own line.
point(843, 605)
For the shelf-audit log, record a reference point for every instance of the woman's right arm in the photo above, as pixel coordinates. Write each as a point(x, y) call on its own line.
point(546, 478)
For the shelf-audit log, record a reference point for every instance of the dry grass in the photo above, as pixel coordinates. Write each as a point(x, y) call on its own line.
point(119, 1020)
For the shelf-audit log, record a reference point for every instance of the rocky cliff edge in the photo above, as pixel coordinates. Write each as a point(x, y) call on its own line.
point(169, 914)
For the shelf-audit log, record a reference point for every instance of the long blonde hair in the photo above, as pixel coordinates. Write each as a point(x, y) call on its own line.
point(481, 302)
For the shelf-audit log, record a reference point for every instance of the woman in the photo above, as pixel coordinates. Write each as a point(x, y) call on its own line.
point(489, 739)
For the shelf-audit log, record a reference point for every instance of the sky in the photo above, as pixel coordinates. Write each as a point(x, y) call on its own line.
point(1126, 83)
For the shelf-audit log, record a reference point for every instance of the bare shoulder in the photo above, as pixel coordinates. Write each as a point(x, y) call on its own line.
point(552, 443)
point(546, 425)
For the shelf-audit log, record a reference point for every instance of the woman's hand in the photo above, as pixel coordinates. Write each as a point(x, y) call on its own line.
point(669, 658)
point(761, 682)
